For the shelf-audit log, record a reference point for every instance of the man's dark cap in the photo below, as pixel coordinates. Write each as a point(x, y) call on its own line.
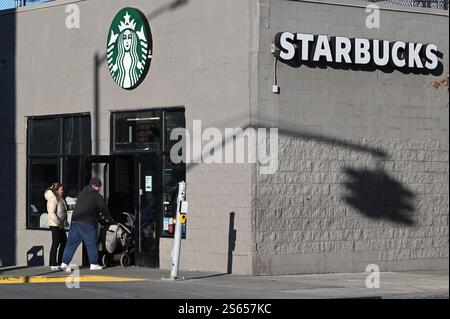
point(95, 181)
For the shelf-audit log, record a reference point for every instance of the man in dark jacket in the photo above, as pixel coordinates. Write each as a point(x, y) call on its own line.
point(83, 227)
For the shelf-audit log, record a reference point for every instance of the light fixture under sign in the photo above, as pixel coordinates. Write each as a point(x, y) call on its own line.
point(144, 119)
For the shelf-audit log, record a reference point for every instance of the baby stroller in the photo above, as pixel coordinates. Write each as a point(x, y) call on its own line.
point(117, 241)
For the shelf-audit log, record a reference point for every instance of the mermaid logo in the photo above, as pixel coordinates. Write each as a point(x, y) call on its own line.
point(129, 49)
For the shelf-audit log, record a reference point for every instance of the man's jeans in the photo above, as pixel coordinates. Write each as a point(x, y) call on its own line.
point(81, 231)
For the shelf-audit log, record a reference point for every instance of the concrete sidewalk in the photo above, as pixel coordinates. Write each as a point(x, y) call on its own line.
point(117, 282)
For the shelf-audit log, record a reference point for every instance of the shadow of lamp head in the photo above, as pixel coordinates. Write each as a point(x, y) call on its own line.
point(377, 195)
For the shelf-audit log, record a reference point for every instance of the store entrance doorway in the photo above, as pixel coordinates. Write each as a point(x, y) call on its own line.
point(139, 177)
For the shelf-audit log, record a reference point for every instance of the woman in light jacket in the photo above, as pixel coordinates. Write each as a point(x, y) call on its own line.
point(57, 221)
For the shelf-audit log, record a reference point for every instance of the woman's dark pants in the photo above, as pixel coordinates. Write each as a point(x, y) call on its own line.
point(59, 240)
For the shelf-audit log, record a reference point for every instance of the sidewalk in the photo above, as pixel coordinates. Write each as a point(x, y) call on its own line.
point(120, 282)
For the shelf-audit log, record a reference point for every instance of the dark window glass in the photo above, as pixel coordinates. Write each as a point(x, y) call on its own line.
point(123, 184)
point(137, 131)
point(173, 175)
point(76, 135)
point(72, 181)
point(174, 120)
point(44, 137)
point(43, 172)
point(71, 135)
point(55, 137)
point(72, 175)
point(150, 203)
point(85, 135)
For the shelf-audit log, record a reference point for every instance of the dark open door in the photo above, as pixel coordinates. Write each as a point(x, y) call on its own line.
point(118, 176)
point(132, 184)
point(99, 166)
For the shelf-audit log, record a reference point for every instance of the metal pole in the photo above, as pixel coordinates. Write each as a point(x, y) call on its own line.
point(177, 239)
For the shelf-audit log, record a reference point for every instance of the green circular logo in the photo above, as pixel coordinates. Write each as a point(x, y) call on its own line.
point(129, 48)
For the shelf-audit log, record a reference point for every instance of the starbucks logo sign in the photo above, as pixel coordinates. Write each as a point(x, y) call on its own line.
point(129, 48)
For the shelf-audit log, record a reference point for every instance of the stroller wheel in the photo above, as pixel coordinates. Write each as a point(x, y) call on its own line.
point(125, 260)
point(106, 260)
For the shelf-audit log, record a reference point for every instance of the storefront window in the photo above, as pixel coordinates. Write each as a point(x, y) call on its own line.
point(148, 134)
point(56, 148)
point(137, 131)
point(72, 167)
point(173, 174)
point(45, 138)
point(173, 120)
point(43, 172)
point(77, 139)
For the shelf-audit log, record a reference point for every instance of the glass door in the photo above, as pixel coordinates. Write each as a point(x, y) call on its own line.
point(148, 221)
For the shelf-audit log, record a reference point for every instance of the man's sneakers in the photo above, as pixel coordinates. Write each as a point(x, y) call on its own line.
point(66, 268)
point(54, 268)
point(96, 267)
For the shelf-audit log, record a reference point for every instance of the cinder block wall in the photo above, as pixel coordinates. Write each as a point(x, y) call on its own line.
point(200, 62)
point(363, 173)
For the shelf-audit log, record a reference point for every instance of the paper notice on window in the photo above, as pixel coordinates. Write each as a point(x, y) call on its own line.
point(148, 183)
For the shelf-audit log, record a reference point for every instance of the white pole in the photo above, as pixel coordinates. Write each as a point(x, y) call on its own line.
point(177, 239)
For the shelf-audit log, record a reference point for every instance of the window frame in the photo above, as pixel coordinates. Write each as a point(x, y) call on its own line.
point(60, 156)
point(162, 136)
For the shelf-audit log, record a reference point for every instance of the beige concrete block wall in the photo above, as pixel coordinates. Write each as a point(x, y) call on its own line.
point(200, 61)
point(363, 155)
